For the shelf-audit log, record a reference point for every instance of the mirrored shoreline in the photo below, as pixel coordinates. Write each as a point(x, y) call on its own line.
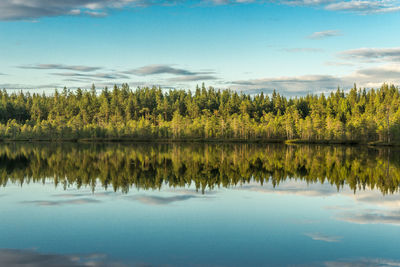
point(153, 166)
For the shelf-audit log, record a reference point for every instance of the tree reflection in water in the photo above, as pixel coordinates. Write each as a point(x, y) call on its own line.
point(206, 166)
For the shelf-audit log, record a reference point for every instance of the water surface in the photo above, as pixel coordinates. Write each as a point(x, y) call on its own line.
point(198, 205)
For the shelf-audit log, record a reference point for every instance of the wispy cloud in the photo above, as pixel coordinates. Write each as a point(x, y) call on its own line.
point(297, 84)
point(88, 194)
point(385, 72)
point(88, 73)
point(366, 207)
point(180, 74)
point(16, 86)
point(108, 76)
point(31, 258)
point(369, 207)
point(372, 54)
point(375, 76)
point(371, 77)
point(193, 78)
point(364, 262)
point(365, 6)
point(96, 14)
point(164, 69)
point(338, 63)
point(15, 10)
point(294, 188)
point(60, 67)
point(375, 216)
point(323, 237)
point(303, 50)
point(80, 73)
point(304, 2)
point(355, 6)
point(324, 34)
point(157, 200)
point(78, 201)
point(31, 9)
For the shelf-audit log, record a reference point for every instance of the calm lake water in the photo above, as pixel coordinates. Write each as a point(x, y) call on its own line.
point(198, 205)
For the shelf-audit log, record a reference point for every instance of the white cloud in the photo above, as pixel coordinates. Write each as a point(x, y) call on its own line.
point(364, 207)
point(91, 76)
point(303, 50)
point(193, 78)
point(157, 200)
point(164, 69)
point(31, 258)
point(78, 201)
point(372, 77)
point(372, 217)
point(28, 9)
point(372, 54)
point(362, 263)
point(370, 207)
point(17, 9)
point(357, 6)
point(305, 2)
point(96, 14)
point(292, 84)
point(367, 6)
point(60, 67)
point(292, 187)
point(323, 237)
point(181, 75)
point(324, 34)
point(16, 86)
point(338, 63)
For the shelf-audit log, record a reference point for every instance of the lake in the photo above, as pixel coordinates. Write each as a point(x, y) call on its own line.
point(71, 204)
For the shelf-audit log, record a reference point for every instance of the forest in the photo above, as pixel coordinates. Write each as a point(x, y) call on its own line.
point(355, 116)
point(203, 166)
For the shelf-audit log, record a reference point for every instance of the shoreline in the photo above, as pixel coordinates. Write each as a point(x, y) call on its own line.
point(212, 141)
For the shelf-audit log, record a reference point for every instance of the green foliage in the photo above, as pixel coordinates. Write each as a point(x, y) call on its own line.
point(204, 166)
point(151, 113)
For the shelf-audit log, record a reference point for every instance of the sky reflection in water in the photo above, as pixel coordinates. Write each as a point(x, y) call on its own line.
point(248, 224)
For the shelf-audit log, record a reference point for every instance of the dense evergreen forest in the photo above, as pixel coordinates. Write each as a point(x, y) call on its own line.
point(203, 166)
point(205, 114)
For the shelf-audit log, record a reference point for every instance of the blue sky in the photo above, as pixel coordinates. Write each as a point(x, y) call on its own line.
point(296, 47)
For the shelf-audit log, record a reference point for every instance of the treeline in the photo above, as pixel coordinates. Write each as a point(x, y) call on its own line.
point(204, 167)
point(153, 113)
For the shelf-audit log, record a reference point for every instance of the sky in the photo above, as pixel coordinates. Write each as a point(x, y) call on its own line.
point(294, 46)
